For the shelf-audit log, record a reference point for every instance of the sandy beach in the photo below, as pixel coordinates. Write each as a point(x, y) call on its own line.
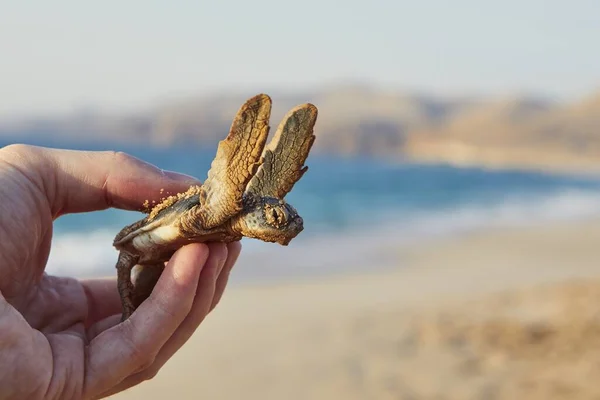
point(498, 314)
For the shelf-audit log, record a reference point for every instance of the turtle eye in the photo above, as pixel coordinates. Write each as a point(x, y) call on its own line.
point(276, 216)
point(271, 216)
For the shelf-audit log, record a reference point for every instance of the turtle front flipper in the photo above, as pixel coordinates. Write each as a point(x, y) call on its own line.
point(235, 163)
point(284, 156)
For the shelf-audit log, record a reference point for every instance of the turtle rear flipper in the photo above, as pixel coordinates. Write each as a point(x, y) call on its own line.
point(284, 156)
point(235, 163)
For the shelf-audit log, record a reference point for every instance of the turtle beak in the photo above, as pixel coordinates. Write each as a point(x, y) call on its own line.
point(295, 228)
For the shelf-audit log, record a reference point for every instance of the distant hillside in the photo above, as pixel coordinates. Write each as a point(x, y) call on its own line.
point(517, 132)
point(351, 120)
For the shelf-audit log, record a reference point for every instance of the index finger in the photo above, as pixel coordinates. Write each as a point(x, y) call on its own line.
point(80, 181)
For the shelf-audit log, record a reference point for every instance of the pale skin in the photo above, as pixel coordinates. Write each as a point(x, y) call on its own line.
point(62, 337)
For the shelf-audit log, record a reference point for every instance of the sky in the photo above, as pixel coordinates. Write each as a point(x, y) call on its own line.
point(69, 55)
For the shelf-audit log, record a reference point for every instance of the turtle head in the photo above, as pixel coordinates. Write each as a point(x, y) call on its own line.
point(269, 219)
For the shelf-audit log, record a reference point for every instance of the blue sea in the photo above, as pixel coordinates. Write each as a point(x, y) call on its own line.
point(355, 210)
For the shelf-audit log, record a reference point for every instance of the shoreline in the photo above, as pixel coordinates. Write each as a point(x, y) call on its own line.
point(384, 334)
point(325, 254)
point(387, 257)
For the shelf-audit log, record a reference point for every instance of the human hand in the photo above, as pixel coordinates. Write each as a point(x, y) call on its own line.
point(61, 337)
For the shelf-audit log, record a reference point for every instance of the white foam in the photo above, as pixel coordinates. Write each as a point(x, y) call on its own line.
point(83, 254)
point(92, 254)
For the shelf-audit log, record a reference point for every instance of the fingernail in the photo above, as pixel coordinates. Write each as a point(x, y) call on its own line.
point(176, 176)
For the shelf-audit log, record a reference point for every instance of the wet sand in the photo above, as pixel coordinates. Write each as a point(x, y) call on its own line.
point(503, 314)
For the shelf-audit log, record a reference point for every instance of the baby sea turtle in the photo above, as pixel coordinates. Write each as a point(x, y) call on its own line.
point(243, 195)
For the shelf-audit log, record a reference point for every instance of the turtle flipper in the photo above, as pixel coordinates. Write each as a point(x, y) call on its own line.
point(236, 162)
point(284, 156)
point(125, 263)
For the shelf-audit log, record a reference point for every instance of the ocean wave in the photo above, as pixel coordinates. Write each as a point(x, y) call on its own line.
point(88, 254)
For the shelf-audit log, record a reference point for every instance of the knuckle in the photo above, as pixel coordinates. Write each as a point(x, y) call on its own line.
point(119, 156)
point(149, 373)
point(18, 151)
point(32, 163)
point(17, 148)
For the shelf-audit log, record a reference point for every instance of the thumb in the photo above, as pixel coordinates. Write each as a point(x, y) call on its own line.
point(80, 181)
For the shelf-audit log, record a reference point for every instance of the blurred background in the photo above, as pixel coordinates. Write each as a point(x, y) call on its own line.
point(451, 204)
